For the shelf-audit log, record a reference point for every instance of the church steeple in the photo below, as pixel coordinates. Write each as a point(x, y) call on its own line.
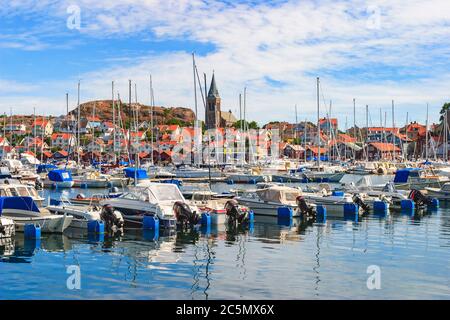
point(213, 92)
point(212, 114)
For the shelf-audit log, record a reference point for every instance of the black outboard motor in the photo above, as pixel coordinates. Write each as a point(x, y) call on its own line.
point(236, 213)
point(306, 210)
point(357, 200)
point(419, 198)
point(113, 219)
point(38, 184)
point(185, 216)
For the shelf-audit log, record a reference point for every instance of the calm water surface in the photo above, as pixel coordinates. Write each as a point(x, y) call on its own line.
point(271, 260)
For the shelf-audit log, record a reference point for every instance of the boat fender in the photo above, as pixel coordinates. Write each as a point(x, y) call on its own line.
point(434, 204)
point(251, 216)
point(150, 223)
point(206, 219)
point(285, 213)
point(379, 206)
point(32, 231)
point(407, 204)
point(321, 214)
point(96, 226)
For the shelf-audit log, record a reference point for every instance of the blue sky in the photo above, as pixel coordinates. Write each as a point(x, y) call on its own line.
point(374, 51)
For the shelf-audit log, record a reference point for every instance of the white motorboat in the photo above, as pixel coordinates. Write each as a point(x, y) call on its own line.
point(58, 178)
point(199, 173)
point(267, 201)
point(154, 199)
point(23, 211)
point(15, 188)
point(95, 179)
point(442, 193)
point(335, 202)
point(418, 178)
point(221, 210)
point(83, 214)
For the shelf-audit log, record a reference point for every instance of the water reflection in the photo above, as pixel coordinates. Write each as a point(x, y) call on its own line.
point(211, 263)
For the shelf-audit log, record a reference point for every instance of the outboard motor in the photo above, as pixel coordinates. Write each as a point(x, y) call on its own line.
point(81, 196)
point(38, 184)
point(185, 216)
point(419, 198)
point(113, 219)
point(305, 209)
point(357, 200)
point(236, 213)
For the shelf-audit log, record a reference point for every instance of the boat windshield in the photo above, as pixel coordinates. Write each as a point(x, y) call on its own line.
point(23, 192)
point(166, 192)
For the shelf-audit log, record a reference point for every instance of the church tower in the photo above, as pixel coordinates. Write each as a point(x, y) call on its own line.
point(212, 114)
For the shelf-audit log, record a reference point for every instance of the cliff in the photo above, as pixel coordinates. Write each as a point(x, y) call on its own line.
point(103, 110)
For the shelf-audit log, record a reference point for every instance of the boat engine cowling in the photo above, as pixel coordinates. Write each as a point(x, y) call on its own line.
point(357, 200)
point(305, 209)
point(113, 219)
point(236, 213)
point(419, 198)
point(185, 216)
point(81, 196)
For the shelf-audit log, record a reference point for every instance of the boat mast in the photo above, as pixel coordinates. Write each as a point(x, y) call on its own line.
point(151, 117)
point(446, 136)
point(354, 127)
point(114, 122)
point(367, 133)
point(393, 131)
point(426, 136)
point(4, 135)
point(196, 109)
point(78, 124)
point(318, 125)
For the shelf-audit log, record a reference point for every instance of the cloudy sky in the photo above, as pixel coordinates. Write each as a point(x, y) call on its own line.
point(375, 51)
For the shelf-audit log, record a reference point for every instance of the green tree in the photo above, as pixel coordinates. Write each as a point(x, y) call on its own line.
point(249, 125)
point(444, 108)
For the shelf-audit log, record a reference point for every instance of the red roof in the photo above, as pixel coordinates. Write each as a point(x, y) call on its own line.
point(65, 136)
point(346, 138)
point(40, 122)
point(385, 147)
point(315, 149)
point(333, 121)
point(382, 129)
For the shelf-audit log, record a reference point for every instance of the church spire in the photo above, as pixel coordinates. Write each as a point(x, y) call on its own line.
point(213, 92)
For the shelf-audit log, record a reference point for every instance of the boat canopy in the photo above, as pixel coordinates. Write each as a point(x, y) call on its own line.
point(18, 203)
point(46, 168)
point(135, 173)
point(279, 194)
point(402, 175)
point(60, 175)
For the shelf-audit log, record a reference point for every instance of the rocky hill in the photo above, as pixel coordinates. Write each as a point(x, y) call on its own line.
point(103, 110)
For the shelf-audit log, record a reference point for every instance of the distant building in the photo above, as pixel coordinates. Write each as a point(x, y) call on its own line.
point(213, 113)
point(42, 127)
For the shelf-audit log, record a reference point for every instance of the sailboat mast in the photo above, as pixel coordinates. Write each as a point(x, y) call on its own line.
point(318, 125)
point(367, 133)
point(151, 117)
point(78, 124)
point(354, 127)
point(114, 121)
point(426, 136)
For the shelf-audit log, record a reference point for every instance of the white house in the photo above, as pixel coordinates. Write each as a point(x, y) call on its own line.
point(63, 140)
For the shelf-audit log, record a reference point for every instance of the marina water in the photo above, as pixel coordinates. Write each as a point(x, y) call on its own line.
point(271, 260)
